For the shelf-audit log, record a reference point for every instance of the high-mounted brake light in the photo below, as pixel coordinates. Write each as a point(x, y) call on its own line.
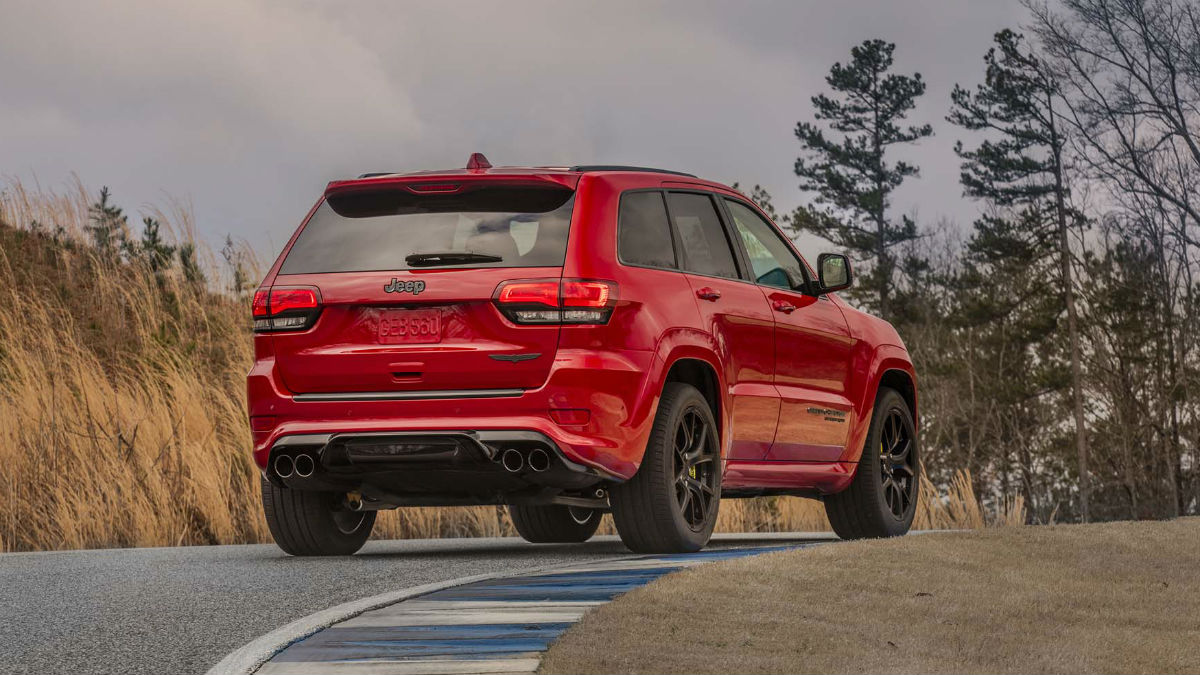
point(288, 308)
point(554, 301)
point(439, 188)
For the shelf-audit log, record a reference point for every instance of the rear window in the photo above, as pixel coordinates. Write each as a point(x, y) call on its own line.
point(378, 230)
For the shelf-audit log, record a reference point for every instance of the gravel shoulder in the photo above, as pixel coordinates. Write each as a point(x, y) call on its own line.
point(1112, 598)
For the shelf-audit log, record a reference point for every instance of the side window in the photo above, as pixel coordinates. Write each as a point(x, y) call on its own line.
point(643, 233)
point(705, 248)
point(773, 262)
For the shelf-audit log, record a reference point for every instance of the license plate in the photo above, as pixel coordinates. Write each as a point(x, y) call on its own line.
point(410, 326)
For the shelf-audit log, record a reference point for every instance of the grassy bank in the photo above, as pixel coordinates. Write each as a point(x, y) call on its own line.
point(1109, 598)
point(122, 418)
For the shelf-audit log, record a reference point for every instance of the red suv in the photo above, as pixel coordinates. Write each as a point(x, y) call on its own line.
point(567, 341)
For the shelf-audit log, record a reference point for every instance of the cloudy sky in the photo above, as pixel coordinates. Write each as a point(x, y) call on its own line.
point(246, 108)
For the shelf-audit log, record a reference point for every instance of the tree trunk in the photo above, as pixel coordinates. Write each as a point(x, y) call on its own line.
point(1064, 245)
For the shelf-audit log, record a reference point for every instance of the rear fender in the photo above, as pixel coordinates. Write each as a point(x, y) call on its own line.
point(681, 344)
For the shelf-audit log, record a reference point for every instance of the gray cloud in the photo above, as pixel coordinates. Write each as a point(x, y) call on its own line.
point(248, 108)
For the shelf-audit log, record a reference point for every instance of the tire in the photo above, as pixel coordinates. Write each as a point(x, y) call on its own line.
point(667, 507)
point(555, 524)
point(308, 523)
point(881, 502)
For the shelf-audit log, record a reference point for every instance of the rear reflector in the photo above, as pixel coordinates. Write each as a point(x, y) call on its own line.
point(287, 308)
point(571, 417)
point(557, 301)
point(261, 428)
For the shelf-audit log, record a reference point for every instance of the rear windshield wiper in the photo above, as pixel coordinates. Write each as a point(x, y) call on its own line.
point(449, 258)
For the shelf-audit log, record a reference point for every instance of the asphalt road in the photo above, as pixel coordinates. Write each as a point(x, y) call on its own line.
point(180, 610)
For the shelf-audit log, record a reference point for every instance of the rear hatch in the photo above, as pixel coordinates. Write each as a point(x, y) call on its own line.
point(405, 273)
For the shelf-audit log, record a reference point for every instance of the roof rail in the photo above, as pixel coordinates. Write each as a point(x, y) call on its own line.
point(618, 167)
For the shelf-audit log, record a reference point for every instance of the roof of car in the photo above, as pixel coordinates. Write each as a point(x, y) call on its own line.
point(478, 166)
point(579, 168)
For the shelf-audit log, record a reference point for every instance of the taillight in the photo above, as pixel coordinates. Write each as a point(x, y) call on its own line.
point(555, 301)
point(285, 308)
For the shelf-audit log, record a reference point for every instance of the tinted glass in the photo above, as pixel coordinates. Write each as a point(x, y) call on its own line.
point(643, 233)
point(772, 261)
point(377, 230)
point(705, 248)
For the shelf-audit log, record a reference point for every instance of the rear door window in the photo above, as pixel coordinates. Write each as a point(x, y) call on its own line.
point(706, 249)
point(643, 233)
point(395, 229)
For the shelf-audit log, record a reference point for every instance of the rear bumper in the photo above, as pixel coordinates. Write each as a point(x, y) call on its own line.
point(613, 386)
point(433, 468)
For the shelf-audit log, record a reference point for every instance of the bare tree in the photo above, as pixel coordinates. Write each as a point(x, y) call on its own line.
point(1130, 70)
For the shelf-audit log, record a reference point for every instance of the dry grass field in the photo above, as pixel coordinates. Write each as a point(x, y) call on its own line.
point(122, 418)
point(1107, 598)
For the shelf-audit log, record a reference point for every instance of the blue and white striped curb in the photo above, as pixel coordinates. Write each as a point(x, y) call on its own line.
point(500, 625)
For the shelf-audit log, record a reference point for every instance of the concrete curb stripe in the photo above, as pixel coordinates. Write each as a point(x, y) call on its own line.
point(248, 658)
point(494, 624)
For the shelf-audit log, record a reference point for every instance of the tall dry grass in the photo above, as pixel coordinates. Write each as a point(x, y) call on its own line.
point(122, 414)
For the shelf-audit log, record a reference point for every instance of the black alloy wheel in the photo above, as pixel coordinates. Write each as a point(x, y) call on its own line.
point(897, 463)
point(881, 500)
point(695, 445)
point(555, 523)
point(311, 523)
point(670, 505)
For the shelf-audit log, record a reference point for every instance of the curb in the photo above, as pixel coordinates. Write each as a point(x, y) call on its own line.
point(250, 657)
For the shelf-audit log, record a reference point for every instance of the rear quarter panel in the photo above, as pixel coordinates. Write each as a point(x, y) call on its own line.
point(656, 321)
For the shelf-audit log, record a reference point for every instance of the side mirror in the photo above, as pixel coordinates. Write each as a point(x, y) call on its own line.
point(833, 273)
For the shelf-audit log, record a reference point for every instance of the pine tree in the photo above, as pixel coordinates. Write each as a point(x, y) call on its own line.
point(1023, 167)
point(188, 263)
point(152, 248)
point(850, 175)
point(107, 227)
point(760, 196)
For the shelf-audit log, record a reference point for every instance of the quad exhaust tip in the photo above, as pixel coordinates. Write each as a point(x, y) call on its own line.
point(284, 467)
point(512, 460)
point(539, 460)
point(305, 466)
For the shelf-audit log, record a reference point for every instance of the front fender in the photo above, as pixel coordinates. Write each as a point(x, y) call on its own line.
point(877, 362)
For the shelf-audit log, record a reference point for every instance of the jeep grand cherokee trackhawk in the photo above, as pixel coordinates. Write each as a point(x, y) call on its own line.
point(567, 341)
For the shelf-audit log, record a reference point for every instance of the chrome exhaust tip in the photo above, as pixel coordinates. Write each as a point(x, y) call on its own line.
point(539, 460)
point(284, 467)
point(512, 460)
point(305, 466)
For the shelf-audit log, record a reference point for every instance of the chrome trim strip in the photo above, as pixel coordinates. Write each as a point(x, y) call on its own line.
point(407, 395)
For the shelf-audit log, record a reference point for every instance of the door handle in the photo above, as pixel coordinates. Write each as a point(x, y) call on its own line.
point(784, 306)
point(707, 293)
